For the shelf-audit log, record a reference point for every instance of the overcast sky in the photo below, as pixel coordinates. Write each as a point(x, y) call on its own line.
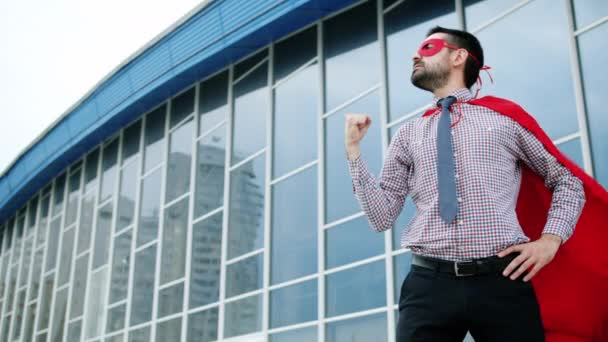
point(54, 51)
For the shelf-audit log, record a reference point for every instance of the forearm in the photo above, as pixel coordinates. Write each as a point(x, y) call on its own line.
point(381, 201)
point(566, 205)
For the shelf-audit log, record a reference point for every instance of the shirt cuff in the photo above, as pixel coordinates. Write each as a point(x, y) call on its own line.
point(559, 228)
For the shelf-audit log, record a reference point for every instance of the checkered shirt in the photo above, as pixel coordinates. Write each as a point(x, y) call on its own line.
point(489, 149)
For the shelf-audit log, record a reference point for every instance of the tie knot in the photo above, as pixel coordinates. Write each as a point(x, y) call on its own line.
point(446, 102)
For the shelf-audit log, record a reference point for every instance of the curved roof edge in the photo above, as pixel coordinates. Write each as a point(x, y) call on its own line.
point(208, 38)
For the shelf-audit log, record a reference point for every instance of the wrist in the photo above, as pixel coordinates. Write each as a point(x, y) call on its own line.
point(555, 239)
point(353, 152)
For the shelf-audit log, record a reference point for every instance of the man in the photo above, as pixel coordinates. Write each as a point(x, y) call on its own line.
point(462, 163)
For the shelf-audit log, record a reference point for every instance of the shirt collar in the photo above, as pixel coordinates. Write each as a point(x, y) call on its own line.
point(461, 95)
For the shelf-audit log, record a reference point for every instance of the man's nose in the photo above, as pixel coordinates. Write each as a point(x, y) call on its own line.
point(416, 58)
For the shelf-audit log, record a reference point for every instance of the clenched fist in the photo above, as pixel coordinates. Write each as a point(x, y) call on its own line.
point(355, 127)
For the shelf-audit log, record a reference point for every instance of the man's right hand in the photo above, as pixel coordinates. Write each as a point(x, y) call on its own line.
point(355, 127)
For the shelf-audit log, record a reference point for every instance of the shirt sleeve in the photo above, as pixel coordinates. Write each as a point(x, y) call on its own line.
point(382, 200)
point(568, 192)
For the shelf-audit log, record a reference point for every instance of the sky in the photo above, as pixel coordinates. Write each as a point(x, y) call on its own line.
point(53, 52)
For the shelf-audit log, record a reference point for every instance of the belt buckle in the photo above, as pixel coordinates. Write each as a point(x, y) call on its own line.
point(459, 273)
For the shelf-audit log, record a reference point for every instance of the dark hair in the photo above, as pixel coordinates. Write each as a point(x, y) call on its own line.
point(468, 42)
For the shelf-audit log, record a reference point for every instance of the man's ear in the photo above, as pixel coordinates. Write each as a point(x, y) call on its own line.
point(459, 57)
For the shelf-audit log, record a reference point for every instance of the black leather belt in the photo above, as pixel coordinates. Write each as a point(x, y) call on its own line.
point(489, 265)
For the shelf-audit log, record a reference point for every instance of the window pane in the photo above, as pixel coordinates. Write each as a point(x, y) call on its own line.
point(130, 142)
point(210, 168)
point(169, 330)
point(140, 335)
point(213, 102)
point(340, 199)
point(74, 331)
point(36, 274)
point(182, 106)
point(171, 300)
point(79, 286)
point(102, 235)
point(295, 121)
point(405, 28)
point(551, 79)
point(120, 267)
point(154, 136)
point(174, 242)
point(90, 175)
point(243, 316)
point(42, 225)
point(29, 322)
point(5, 327)
point(243, 67)
point(299, 335)
point(250, 111)
point(20, 307)
point(95, 305)
point(360, 329)
point(25, 262)
point(245, 275)
point(142, 300)
point(59, 315)
point(295, 51)
point(85, 226)
point(32, 212)
point(205, 263)
point(479, 12)
point(180, 159)
point(572, 149)
point(115, 338)
point(109, 170)
point(12, 283)
point(360, 52)
point(593, 48)
point(67, 249)
point(294, 227)
point(116, 318)
point(73, 197)
point(126, 201)
point(588, 11)
point(293, 304)
point(202, 326)
point(352, 241)
point(246, 220)
point(46, 298)
point(53, 245)
point(343, 286)
point(150, 208)
point(58, 193)
point(401, 265)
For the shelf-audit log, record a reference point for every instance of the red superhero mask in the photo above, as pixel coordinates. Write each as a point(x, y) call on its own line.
point(431, 47)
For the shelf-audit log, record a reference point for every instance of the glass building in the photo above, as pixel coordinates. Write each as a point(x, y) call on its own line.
point(200, 192)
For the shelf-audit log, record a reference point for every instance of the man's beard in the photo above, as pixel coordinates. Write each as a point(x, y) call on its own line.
point(430, 79)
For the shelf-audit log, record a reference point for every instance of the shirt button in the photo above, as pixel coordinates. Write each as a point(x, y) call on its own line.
point(455, 155)
point(460, 222)
point(459, 199)
point(456, 175)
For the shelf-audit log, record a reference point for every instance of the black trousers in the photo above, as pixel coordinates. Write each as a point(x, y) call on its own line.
point(439, 307)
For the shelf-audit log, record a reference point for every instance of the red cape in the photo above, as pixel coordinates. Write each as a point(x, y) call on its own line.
point(572, 289)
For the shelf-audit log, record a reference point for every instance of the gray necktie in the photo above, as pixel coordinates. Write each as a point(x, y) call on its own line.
point(448, 206)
